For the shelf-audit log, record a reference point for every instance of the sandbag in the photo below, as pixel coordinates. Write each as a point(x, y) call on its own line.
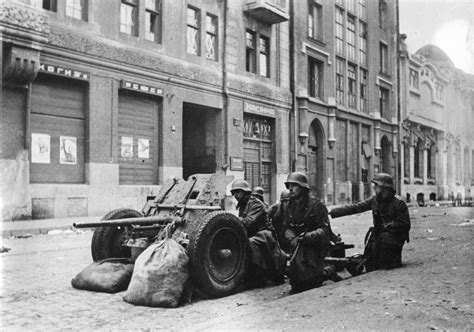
point(109, 275)
point(159, 275)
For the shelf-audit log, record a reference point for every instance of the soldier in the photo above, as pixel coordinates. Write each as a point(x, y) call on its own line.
point(258, 192)
point(307, 233)
point(267, 261)
point(384, 241)
point(275, 214)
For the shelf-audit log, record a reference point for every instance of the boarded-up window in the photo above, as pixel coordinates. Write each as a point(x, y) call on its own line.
point(138, 139)
point(57, 113)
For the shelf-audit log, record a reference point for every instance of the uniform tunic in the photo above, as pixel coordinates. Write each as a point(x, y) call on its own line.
point(266, 258)
point(389, 233)
point(307, 218)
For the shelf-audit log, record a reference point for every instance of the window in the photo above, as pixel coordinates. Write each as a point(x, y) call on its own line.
point(153, 20)
point(417, 165)
point(314, 20)
point(129, 17)
point(414, 79)
point(351, 85)
point(193, 33)
point(50, 5)
point(76, 9)
point(211, 37)
point(351, 6)
point(363, 44)
point(363, 10)
point(340, 69)
point(250, 61)
point(351, 51)
point(383, 65)
point(363, 91)
point(383, 103)
point(264, 60)
point(439, 92)
point(382, 14)
point(315, 78)
point(339, 30)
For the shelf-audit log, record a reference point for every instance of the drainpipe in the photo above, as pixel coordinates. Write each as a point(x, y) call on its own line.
point(225, 93)
point(400, 150)
point(293, 110)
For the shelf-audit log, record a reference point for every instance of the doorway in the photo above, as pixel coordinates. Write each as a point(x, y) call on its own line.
point(316, 159)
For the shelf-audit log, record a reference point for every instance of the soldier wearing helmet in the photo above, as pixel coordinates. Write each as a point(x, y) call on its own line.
point(275, 214)
point(267, 261)
point(258, 192)
point(307, 235)
point(385, 239)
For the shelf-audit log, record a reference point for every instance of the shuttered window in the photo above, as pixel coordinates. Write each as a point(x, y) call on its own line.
point(57, 130)
point(138, 139)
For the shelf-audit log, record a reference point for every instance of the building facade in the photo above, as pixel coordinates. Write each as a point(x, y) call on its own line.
point(437, 140)
point(102, 101)
point(345, 95)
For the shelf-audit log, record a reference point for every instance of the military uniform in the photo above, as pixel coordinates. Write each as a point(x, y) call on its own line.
point(385, 240)
point(308, 219)
point(267, 261)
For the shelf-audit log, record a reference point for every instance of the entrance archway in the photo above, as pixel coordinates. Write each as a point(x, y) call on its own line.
point(316, 159)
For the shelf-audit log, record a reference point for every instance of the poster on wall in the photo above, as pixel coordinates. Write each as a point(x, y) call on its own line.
point(143, 148)
point(67, 150)
point(127, 147)
point(40, 148)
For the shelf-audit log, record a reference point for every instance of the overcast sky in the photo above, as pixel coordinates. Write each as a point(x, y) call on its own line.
point(448, 24)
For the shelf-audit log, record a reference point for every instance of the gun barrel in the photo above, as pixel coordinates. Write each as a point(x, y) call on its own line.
point(128, 222)
point(188, 207)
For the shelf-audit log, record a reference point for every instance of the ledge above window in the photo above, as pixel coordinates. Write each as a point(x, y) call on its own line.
point(267, 11)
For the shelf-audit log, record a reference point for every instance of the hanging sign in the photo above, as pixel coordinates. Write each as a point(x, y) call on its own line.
point(40, 148)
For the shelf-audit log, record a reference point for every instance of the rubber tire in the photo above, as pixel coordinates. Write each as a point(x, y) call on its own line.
point(210, 273)
point(106, 240)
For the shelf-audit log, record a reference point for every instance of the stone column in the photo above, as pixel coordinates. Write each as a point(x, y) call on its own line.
point(412, 163)
point(425, 165)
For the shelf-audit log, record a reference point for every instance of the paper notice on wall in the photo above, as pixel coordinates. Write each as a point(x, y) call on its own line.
point(40, 148)
point(143, 148)
point(127, 147)
point(67, 150)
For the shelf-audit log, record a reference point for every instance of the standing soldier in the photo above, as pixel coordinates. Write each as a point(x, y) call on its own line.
point(307, 234)
point(384, 241)
point(267, 261)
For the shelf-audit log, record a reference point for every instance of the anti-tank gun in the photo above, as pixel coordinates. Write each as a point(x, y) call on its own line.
point(193, 212)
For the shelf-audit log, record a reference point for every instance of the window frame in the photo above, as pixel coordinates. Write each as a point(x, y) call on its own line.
point(196, 26)
point(315, 89)
point(250, 51)
point(264, 56)
point(83, 11)
point(315, 20)
point(383, 58)
point(351, 37)
point(340, 80)
point(157, 13)
point(340, 30)
point(210, 34)
point(384, 103)
point(352, 86)
point(134, 5)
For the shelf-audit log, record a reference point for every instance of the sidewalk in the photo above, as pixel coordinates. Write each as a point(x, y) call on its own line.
point(41, 226)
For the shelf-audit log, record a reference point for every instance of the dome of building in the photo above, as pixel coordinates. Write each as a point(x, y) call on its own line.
point(434, 53)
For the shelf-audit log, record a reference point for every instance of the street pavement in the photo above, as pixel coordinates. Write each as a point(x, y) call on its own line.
point(36, 293)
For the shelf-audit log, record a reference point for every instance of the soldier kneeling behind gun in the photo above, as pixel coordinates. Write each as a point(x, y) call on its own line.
point(307, 233)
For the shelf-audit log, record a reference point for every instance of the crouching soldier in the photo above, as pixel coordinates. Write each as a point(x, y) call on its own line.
point(307, 233)
point(384, 241)
point(267, 261)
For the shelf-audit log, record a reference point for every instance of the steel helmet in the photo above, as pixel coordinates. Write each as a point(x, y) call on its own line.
point(240, 185)
point(285, 195)
point(383, 180)
point(257, 191)
point(298, 178)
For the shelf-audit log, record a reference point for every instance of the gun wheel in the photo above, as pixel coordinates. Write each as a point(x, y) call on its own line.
point(107, 242)
point(218, 254)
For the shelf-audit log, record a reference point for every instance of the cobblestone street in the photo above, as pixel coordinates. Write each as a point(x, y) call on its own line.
point(432, 291)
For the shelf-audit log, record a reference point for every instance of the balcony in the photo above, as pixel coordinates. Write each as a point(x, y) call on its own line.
point(267, 11)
